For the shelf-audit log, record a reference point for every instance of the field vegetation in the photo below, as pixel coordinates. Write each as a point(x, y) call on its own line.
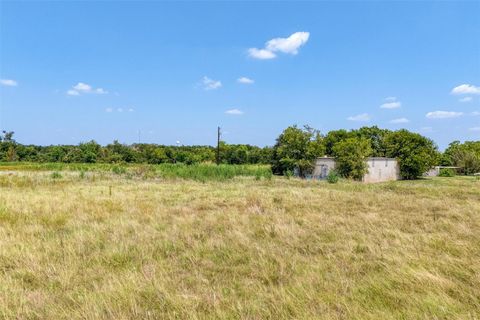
point(144, 242)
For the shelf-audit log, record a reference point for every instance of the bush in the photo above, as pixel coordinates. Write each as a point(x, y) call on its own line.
point(56, 175)
point(332, 177)
point(119, 170)
point(415, 153)
point(350, 156)
point(446, 172)
point(297, 148)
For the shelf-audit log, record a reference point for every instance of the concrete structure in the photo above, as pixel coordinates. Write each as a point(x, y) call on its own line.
point(323, 166)
point(379, 169)
point(435, 171)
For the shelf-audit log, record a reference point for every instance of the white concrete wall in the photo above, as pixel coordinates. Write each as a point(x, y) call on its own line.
point(379, 169)
point(382, 169)
point(323, 166)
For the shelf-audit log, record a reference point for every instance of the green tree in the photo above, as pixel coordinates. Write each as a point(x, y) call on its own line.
point(297, 148)
point(350, 156)
point(415, 153)
point(464, 155)
point(376, 136)
point(333, 137)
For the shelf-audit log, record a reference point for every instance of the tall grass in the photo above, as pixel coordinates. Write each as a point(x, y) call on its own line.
point(115, 248)
point(198, 172)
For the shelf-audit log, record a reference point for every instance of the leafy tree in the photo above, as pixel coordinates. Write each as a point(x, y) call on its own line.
point(333, 137)
point(297, 148)
point(350, 156)
point(415, 153)
point(464, 155)
point(90, 152)
point(376, 136)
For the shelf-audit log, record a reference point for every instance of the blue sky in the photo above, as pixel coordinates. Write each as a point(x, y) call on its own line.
point(76, 71)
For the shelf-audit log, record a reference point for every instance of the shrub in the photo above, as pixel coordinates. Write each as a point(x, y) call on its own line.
point(332, 176)
point(415, 153)
point(119, 170)
point(297, 148)
point(56, 175)
point(288, 174)
point(350, 157)
point(446, 172)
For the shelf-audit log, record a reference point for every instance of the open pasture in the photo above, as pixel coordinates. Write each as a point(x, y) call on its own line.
point(125, 244)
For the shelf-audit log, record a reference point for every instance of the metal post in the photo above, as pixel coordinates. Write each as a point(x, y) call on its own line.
point(218, 145)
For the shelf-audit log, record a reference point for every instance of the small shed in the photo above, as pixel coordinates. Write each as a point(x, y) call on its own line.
point(379, 169)
point(435, 171)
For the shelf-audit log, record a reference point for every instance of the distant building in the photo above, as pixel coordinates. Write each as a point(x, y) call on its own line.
point(435, 171)
point(379, 169)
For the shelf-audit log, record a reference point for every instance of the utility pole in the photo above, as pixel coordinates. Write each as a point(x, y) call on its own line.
point(218, 145)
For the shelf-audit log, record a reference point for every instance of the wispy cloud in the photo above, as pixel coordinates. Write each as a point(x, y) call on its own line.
point(474, 129)
point(261, 54)
point(8, 82)
point(400, 120)
point(476, 113)
point(466, 99)
point(391, 103)
point(235, 112)
point(119, 110)
point(466, 89)
point(210, 84)
point(72, 92)
point(443, 114)
point(245, 80)
point(83, 88)
point(289, 45)
point(363, 117)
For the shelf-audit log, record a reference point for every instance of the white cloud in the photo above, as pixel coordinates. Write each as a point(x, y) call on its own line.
point(245, 80)
point(100, 91)
point(474, 129)
point(466, 99)
point(466, 89)
point(289, 45)
point(235, 112)
point(261, 54)
point(400, 120)
point(364, 117)
point(120, 110)
point(476, 113)
point(443, 114)
point(210, 84)
point(72, 92)
point(391, 105)
point(8, 82)
point(81, 87)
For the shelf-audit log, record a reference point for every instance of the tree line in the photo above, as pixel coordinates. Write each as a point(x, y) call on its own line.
point(116, 152)
point(295, 148)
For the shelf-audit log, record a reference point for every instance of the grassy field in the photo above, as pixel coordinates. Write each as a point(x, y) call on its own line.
point(93, 244)
point(198, 172)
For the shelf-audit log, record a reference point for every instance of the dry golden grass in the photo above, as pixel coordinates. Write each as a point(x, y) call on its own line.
point(104, 247)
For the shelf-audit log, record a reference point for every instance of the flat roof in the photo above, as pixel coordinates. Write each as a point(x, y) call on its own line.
point(369, 158)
